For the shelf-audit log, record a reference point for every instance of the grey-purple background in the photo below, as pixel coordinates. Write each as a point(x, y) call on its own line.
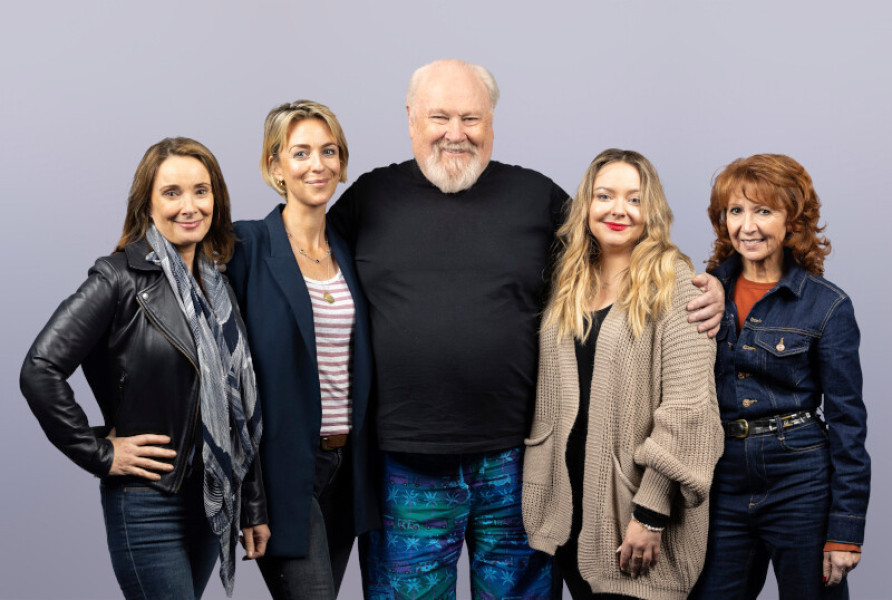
point(86, 87)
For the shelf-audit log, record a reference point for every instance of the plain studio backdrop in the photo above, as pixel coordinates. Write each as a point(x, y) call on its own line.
point(86, 87)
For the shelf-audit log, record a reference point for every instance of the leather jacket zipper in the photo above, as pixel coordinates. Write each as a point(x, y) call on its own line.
point(182, 350)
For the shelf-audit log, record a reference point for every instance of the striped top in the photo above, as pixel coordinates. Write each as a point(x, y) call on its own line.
point(334, 323)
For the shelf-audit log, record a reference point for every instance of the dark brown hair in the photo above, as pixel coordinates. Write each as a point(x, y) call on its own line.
point(217, 245)
point(776, 181)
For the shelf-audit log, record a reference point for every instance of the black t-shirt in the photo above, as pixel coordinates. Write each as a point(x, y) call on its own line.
point(455, 284)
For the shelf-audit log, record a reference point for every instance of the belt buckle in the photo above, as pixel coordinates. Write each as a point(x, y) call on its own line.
point(746, 428)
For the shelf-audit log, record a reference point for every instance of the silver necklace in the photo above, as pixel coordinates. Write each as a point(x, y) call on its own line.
point(325, 293)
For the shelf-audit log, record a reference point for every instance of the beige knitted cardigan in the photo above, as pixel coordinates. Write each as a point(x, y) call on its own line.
point(653, 431)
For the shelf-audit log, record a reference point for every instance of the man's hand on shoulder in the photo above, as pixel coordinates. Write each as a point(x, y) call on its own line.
point(707, 309)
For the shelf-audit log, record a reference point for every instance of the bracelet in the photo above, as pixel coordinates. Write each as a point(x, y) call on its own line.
point(650, 528)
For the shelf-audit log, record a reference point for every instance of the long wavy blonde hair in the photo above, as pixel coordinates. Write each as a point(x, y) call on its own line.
point(648, 285)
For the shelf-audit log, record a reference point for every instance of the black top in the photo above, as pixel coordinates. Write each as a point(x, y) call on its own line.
point(456, 284)
point(575, 455)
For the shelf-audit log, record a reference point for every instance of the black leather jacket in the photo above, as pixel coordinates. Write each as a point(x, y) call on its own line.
point(125, 328)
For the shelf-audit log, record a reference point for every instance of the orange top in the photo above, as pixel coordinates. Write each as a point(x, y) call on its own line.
point(746, 294)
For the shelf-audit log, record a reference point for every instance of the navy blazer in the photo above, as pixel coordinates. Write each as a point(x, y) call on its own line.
point(276, 308)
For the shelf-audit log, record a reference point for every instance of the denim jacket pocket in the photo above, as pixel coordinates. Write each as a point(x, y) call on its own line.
point(786, 354)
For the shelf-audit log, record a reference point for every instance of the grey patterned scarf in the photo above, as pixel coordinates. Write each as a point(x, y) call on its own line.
point(231, 426)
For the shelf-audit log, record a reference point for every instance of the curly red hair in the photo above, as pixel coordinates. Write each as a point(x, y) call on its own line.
point(776, 181)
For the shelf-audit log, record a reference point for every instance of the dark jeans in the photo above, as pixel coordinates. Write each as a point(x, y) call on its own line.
point(318, 575)
point(770, 502)
point(160, 544)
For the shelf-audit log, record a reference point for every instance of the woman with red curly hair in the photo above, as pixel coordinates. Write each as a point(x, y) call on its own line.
point(792, 485)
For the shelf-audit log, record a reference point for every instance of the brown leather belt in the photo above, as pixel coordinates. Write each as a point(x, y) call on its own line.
point(333, 442)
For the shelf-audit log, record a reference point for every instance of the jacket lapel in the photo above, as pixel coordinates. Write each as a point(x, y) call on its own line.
point(362, 353)
point(288, 277)
point(160, 303)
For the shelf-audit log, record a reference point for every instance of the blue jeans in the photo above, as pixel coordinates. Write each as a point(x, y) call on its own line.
point(432, 505)
point(770, 502)
point(160, 544)
point(318, 575)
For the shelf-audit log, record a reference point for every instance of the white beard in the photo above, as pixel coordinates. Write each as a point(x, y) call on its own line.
point(450, 174)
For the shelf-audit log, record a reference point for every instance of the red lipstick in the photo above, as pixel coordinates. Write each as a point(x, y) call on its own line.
point(616, 226)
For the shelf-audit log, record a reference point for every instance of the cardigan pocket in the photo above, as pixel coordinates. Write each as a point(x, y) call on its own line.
point(538, 478)
point(678, 572)
point(540, 433)
point(624, 490)
point(630, 481)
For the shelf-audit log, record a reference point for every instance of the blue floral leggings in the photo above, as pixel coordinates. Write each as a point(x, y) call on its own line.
point(431, 505)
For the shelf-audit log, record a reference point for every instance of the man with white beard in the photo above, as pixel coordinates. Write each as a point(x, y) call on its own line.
point(453, 251)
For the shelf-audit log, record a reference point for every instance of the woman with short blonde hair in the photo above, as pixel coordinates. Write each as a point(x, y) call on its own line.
point(308, 321)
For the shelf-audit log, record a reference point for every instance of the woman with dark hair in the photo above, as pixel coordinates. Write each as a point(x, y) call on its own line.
point(792, 487)
point(308, 325)
point(626, 428)
point(158, 334)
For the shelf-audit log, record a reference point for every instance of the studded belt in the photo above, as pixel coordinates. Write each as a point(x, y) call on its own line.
point(742, 428)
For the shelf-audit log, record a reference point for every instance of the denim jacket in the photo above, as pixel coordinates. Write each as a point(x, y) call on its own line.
point(799, 345)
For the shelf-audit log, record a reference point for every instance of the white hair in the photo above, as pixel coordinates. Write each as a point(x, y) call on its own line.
point(486, 78)
point(450, 175)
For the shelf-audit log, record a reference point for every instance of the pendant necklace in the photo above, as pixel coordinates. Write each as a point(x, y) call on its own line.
point(325, 294)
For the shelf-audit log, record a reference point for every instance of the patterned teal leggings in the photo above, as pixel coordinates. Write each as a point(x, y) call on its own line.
point(431, 505)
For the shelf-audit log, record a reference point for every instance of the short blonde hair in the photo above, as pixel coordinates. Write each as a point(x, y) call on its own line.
point(275, 132)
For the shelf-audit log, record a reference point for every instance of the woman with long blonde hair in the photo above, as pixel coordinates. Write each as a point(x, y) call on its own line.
point(624, 440)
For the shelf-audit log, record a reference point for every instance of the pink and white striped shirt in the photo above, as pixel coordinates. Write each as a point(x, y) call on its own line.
point(334, 323)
